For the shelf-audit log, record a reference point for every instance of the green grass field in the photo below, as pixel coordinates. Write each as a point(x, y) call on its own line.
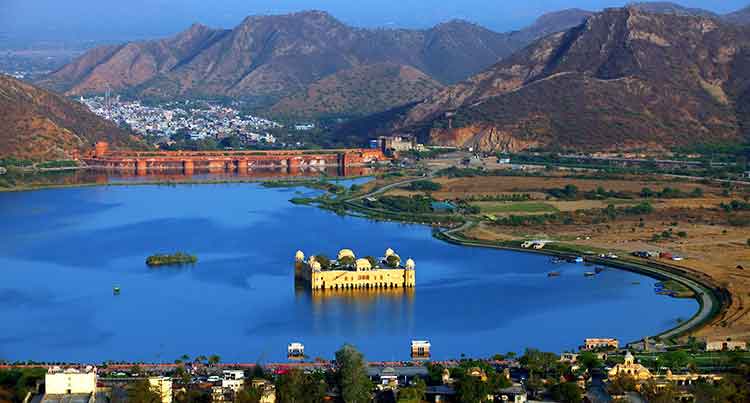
point(514, 207)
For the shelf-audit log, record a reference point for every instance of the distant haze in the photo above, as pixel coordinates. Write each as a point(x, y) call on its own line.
point(84, 20)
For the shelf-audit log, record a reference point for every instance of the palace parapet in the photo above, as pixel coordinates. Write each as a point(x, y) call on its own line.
point(348, 272)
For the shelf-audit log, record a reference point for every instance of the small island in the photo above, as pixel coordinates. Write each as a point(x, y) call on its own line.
point(174, 259)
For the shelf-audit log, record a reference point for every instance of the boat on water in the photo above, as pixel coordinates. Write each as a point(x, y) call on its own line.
point(116, 290)
point(636, 283)
point(589, 274)
point(553, 274)
point(558, 260)
point(578, 259)
point(599, 270)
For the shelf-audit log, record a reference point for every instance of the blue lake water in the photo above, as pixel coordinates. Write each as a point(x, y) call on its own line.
point(63, 250)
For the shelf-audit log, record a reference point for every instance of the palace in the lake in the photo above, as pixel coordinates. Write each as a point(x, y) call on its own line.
point(348, 272)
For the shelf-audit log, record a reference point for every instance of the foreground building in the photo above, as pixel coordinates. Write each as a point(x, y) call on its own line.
point(70, 381)
point(348, 272)
point(163, 386)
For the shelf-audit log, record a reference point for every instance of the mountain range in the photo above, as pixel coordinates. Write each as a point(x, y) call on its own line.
point(625, 79)
point(269, 58)
point(650, 75)
point(40, 125)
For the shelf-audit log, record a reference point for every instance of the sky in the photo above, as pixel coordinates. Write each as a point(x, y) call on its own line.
point(86, 20)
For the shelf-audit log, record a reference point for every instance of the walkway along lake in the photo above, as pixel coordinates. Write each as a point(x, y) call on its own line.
point(64, 249)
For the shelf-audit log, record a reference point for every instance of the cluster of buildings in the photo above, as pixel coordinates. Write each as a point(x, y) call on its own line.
point(198, 119)
point(85, 385)
point(630, 368)
point(348, 272)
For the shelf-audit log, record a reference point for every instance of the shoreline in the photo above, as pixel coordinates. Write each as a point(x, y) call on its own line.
point(157, 182)
point(709, 302)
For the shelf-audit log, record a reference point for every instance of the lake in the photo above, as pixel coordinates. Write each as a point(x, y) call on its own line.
point(63, 251)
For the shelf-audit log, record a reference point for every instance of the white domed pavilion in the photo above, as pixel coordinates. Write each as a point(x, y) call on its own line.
point(410, 265)
point(345, 253)
point(299, 256)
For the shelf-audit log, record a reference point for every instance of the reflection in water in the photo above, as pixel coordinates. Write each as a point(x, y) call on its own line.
point(359, 306)
point(101, 177)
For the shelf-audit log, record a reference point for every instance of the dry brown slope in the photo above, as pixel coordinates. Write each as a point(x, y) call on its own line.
point(359, 91)
point(40, 125)
point(624, 79)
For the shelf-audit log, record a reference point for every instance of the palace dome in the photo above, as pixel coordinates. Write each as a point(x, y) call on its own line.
point(389, 252)
point(315, 266)
point(363, 265)
point(299, 256)
point(410, 265)
point(345, 253)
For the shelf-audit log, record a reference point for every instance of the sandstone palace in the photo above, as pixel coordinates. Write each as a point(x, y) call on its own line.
point(348, 272)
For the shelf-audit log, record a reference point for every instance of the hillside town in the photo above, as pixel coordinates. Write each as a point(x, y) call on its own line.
point(600, 371)
point(197, 120)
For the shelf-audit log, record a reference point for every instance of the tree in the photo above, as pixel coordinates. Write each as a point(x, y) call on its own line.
point(214, 359)
point(567, 392)
point(654, 394)
point(539, 362)
point(296, 386)
point(675, 359)
point(589, 360)
point(471, 389)
point(414, 393)
point(393, 260)
point(325, 262)
point(352, 377)
point(622, 384)
point(249, 394)
point(141, 392)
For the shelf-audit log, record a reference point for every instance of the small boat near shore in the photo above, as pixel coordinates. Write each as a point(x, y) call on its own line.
point(599, 270)
point(589, 274)
point(553, 274)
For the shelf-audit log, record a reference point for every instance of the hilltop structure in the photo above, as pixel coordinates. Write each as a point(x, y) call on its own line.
point(348, 272)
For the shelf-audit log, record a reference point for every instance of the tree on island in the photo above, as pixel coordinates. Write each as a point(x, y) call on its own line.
point(325, 262)
point(393, 261)
point(347, 261)
point(214, 359)
point(351, 375)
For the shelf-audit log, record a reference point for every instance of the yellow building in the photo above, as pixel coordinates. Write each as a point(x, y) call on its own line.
point(631, 369)
point(348, 272)
point(163, 386)
point(267, 390)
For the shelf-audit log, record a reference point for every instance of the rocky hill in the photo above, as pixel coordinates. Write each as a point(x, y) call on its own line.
point(266, 58)
point(739, 17)
point(625, 79)
point(665, 7)
point(39, 125)
point(359, 91)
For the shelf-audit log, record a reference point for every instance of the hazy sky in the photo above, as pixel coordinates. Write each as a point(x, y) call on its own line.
point(128, 19)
